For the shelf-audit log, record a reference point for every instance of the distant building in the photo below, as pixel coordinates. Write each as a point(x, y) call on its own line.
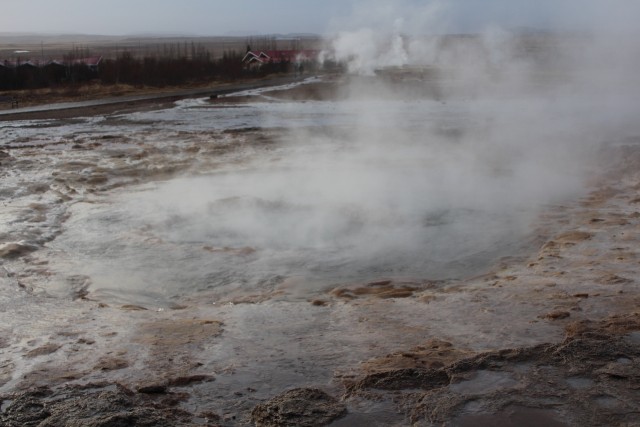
point(6, 75)
point(21, 73)
point(92, 62)
point(55, 71)
point(27, 73)
point(257, 58)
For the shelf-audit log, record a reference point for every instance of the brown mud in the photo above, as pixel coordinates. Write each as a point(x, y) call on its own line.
point(552, 338)
point(298, 408)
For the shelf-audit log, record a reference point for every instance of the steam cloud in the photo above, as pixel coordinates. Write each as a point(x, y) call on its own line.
point(431, 169)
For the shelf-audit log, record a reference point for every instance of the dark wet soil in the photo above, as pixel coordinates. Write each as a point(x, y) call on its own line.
point(301, 407)
point(99, 405)
point(592, 378)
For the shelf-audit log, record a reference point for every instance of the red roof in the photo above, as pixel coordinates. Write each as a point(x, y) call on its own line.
point(292, 55)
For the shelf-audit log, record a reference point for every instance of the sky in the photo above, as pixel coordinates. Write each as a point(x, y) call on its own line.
point(242, 17)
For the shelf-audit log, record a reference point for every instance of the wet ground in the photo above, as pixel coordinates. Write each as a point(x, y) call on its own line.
point(171, 262)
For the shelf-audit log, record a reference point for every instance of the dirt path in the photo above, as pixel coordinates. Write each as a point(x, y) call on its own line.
point(133, 102)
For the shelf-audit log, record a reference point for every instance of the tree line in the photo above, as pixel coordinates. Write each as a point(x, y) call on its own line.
point(172, 66)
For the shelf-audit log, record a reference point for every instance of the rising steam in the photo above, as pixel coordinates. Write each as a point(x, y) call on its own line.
point(415, 182)
point(438, 161)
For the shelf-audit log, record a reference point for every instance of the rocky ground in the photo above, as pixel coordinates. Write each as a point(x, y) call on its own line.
point(552, 338)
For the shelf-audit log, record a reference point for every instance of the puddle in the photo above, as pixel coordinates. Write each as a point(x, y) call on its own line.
point(579, 383)
point(515, 416)
point(607, 402)
point(372, 419)
point(352, 201)
point(485, 382)
point(634, 337)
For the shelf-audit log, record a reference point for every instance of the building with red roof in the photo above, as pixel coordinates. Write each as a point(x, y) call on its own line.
point(279, 56)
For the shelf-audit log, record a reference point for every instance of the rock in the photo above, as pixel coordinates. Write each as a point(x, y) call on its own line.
point(160, 387)
point(42, 351)
point(152, 388)
point(624, 369)
point(432, 354)
point(132, 307)
point(112, 406)
point(27, 409)
point(188, 380)
point(38, 188)
point(573, 237)
point(111, 364)
point(598, 357)
point(556, 315)
point(613, 279)
point(399, 379)
point(15, 249)
point(300, 407)
point(384, 289)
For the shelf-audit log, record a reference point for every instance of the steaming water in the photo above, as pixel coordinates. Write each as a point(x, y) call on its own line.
point(354, 191)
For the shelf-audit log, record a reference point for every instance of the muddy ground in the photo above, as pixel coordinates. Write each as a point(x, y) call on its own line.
point(551, 338)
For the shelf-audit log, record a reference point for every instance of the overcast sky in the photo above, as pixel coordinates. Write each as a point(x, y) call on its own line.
point(222, 17)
